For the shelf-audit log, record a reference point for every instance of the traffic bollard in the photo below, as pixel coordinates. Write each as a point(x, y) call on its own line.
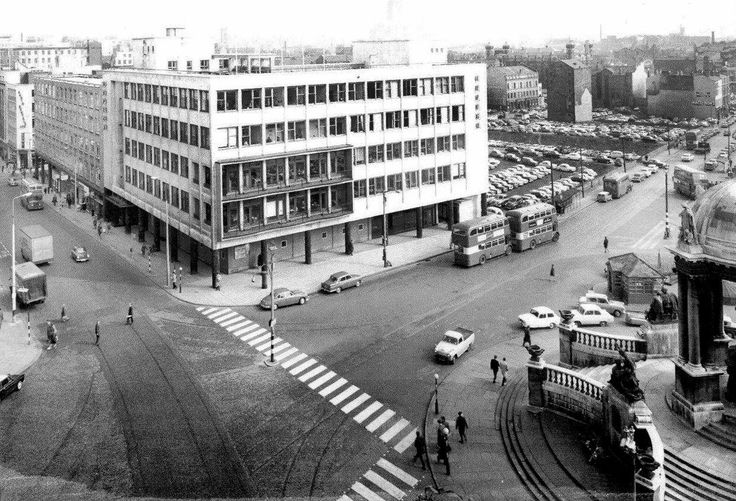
point(149, 264)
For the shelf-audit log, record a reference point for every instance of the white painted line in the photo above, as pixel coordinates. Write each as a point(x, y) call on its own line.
point(285, 354)
point(309, 375)
point(394, 430)
point(345, 498)
point(208, 311)
point(294, 360)
point(397, 472)
point(218, 313)
point(262, 347)
point(277, 349)
point(366, 492)
point(226, 316)
point(345, 394)
point(260, 339)
point(235, 327)
point(321, 380)
point(363, 415)
point(406, 441)
point(355, 403)
point(236, 318)
point(200, 308)
point(300, 368)
point(252, 334)
point(326, 391)
point(376, 423)
point(384, 484)
point(245, 329)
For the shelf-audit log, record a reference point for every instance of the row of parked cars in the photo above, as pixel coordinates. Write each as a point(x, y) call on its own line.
point(501, 182)
point(593, 309)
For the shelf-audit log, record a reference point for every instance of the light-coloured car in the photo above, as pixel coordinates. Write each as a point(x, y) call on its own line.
point(80, 254)
point(587, 314)
point(540, 317)
point(603, 196)
point(454, 343)
point(340, 281)
point(688, 157)
point(284, 297)
point(615, 308)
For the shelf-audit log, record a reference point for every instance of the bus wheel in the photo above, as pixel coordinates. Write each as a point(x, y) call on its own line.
point(483, 259)
point(556, 236)
point(508, 250)
point(532, 244)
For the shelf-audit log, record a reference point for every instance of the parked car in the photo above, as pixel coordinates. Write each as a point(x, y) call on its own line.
point(603, 196)
point(688, 157)
point(540, 317)
point(340, 281)
point(10, 383)
point(284, 297)
point(637, 177)
point(587, 314)
point(454, 343)
point(615, 308)
point(80, 254)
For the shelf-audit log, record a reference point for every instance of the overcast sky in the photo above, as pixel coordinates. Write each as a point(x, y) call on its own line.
point(455, 22)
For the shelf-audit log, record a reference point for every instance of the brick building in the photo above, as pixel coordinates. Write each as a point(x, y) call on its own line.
point(569, 97)
point(612, 87)
point(512, 87)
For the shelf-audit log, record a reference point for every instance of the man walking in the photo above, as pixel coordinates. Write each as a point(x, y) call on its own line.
point(552, 272)
point(605, 244)
point(461, 424)
point(494, 367)
point(173, 280)
point(129, 318)
point(504, 371)
point(443, 453)
point(97, 333)
point(421, 447)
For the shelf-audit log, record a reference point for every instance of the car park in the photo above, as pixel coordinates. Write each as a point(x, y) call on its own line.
point(540, 317)
point(615, 308)
point(284, 297)
point(340, 281)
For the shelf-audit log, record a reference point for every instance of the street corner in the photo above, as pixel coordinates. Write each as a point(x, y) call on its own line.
point(20, 346)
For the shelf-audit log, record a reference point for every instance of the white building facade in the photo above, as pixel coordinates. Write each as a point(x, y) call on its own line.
point(16, 119)
point(298, 159)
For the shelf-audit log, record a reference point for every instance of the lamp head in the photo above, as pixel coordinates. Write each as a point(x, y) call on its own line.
point(436, 377)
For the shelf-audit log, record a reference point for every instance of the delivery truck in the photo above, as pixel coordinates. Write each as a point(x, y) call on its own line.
point(31, 283)
point(36, 244)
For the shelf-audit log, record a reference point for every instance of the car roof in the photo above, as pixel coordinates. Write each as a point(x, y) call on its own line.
point(339, 274)
point(590, 306)
point(595, 294)
point(280, 290)
point(543, 309)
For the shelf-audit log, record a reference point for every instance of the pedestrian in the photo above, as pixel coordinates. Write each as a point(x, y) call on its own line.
point(64, 318)
point(109, 226)
point(97, 333)
point(94, 223)
point(421, 447)
point(527, 336)
point(443, 453)
point(54, 200)
point(129, 318)
point(504, 371)
point(552, 272)
point(99, 231)
point(605, 244)
point(218, 281)
point(51, 334)
point(173, 280)
point(494, 367)
point(461, 424)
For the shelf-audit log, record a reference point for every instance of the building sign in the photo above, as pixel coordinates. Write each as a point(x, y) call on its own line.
point(240, 252)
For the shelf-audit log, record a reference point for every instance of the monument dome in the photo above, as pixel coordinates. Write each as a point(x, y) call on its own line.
point(715, 221)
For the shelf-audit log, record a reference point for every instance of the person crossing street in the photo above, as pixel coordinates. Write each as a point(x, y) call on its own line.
point(605, 245)
point(129, 318)
point(420, 444)
point(97, 333)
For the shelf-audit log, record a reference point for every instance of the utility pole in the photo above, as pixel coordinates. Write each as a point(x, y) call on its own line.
point(580, 163)
point(623, 150)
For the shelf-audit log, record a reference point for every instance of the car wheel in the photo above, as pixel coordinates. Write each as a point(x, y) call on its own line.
point(338, 290)
point(20, 385)
point(617, 313)
point(302, 300)
point(508, 250)
point(576, 324)
point(358, 283)
point(552, 325)
point(454, 359)
point(556, 236)
point(604, 323)
point(533, 244)
point(483, 259)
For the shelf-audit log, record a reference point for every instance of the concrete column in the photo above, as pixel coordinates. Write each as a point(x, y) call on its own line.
point(39, 165)
point(716, 314)
point(174, 244)
point(193, 256)
point(142, 224)
point(693, 320)
point(156, 234)
point(128, 220)
point(536, 375)
point(51, 177)
point(264, 268)
point(215, 266)
point(484, 204)
point(348, 239)
point(450, 214)
point(420, 222)
point(308, 247)
point(682, 316)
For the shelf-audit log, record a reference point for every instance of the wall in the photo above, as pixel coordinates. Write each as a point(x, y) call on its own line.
point(581, 347)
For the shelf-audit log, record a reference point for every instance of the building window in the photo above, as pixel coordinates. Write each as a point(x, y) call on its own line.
point(392, 89)
point(317, 94)
point(164, 127)
point(164, 159)
point(375, 90)
point(443, 143)
point(174, 130)
point(428, 176)
point(134, 149)
point(337, 126)
point(318, 127)
point(127, 174)
point(183, 132)
point(195, 173)
point(411, 179)
point(458, 170)
point(457, 84)
point(296, 95)
point(227, 100)
point(393, 182)
point(411, 148)
point(426, 146)
point(195, 208)
point(297, 130)
point(173, 65)
point(147, 89)
point(193, 135)
point(357, 123)
point(204, 138)
point(393, 151)
point(157, 157)
point(426, 116)
point(207, 214)
point(359, 189)
point(426, 87)
point(250, 98)
point(174, 163)
point(393, 119)
point(227, 137)
point(183, 98)
point(149, 184)
point(251, 134)
point(173, 98)
point(127, 146)
point(149, 154)
point(376, 185)
point(275, 133)
point(375, 154)
point(204, 100)
point(275, 172)
point(458, 113)
point(318, 165)
point(207, 181)
point(273, 97)
point(184, 202)
point(442, 115)
point(164, 95)
point(442, 85)
point(358, 156)
point(375, 122)
point(443, 173)
point(175, 196)
point(356, 91)
point(204, 64)
point(157, 126)
point(458, 142)
point(409, 87)
point(337, 92)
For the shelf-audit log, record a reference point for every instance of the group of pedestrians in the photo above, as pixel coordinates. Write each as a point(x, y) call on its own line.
point(443, 441)
point(503, 366)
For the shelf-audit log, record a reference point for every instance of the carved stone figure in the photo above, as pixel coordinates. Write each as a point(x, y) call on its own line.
point(687, 226)
point(623, 378)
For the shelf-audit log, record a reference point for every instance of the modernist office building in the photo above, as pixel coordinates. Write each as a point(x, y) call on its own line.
point(299, 159)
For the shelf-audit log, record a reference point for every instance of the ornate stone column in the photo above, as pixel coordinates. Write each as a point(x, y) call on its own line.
point(682, 288)
point(695, 290)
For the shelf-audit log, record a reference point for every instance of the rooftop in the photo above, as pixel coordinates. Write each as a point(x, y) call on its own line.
point(514, 70)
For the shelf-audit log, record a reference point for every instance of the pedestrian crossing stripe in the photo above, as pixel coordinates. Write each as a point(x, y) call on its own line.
point(205, 311)
point(376, 423)
point(394, 430)
point(235, 319)
point(363, 415)
point(384, 484)
point(262, 347)
point(224, 317)
point(406, 441)
point(300, 368)
point(309, 375)
point(397, 472)
point(345, 394)
point(245, 329)
point(218, 313)
point(344, 498)
point(355, 403)
point(200, 309)
point(235, 327)
point(259, 339)
point(286, 354)
point(332, 387)
point(321, 380)
point(382, 477)
point(278, 348)
point(294, 360)
point(255, 333)
point(366, 492)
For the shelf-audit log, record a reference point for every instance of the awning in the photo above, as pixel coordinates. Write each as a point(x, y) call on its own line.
point(283, 154)
point(118, 201)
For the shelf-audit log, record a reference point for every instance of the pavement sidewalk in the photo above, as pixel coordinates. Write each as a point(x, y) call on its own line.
point(18, 349)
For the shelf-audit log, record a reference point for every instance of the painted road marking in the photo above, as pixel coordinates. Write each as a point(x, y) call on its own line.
point(207, 311)
point(219, 320)
point(199, 308)
point(345, 498)
point(262, 347)
point(345, 394)
point(294, 360)
point(394, 430)
point(376, 423)
point(335, 385)
point(235, 319)
point(384, 484)
point(366, 492)
point(309, 375)
point(406, 441)
point(260, 339)
point(235, 327)
point(285, 354)
point(278, 348)
point(355, 403)
point(218, 313)
point(252, 334)
point(245, 329)
point(397, 472)
point(300, 368)
point(363, 415)
point(321, 380)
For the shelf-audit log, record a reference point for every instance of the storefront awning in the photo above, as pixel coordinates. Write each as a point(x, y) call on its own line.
point(118, 201)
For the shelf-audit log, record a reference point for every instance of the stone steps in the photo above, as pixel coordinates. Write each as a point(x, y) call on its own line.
point(723, 434)
point(688, 482)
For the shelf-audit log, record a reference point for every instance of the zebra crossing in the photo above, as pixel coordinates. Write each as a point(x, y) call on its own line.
point(651, 240)
point(380, 482)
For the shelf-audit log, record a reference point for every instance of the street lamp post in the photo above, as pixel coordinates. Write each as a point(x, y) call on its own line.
point(666, 204)
point(14, 294)
point(582, 181)
point(272, 321)
point(623, 150)
point(386, 262)
point(180, 270)
point(436, 399)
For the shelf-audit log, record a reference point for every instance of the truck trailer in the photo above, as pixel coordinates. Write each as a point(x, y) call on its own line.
point(31, 283)
point(36, 244)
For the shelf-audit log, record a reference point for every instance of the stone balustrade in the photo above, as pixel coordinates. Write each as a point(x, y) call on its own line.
point(584, 347)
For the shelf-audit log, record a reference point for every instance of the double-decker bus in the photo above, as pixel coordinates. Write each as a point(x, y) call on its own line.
point(689, 182)
point(35, 200)
point(532, 225)
point(480, 239)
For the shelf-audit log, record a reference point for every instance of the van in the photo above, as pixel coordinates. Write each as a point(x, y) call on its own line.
point(603, 197)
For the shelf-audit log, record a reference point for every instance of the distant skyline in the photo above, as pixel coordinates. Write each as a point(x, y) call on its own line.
point(458, 22)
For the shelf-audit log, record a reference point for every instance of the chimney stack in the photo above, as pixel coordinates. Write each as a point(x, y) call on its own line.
point(712, 37)
point(570, 48)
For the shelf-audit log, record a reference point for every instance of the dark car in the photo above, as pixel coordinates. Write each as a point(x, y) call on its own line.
point(80, 254)
point(284, 297)
point(10, 383)
point(551, 154)
point(602, 159)
point(340, 281)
